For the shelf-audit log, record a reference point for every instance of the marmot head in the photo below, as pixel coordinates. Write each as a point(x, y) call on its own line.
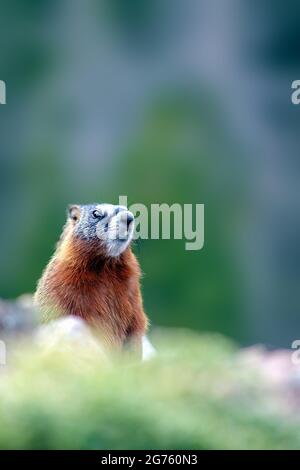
point(105, 227)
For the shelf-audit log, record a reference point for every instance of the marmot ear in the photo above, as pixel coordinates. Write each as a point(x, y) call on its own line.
point(73, 211)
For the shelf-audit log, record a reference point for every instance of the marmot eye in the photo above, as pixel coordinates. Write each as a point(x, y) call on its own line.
point(98, 214)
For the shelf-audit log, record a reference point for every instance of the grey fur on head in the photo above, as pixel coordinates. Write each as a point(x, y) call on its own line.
point(112, 225)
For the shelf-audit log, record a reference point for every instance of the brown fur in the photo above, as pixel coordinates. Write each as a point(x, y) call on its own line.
point(105, 292)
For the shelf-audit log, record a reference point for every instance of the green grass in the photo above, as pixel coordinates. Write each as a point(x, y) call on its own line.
point(194, 395)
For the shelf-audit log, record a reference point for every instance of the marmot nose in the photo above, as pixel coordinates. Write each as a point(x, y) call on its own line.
point(129, 220)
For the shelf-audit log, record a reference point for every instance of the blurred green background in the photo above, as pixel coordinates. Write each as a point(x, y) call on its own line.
point(163, 101)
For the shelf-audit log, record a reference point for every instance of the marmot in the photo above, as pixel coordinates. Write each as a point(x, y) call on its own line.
point(94, 275)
